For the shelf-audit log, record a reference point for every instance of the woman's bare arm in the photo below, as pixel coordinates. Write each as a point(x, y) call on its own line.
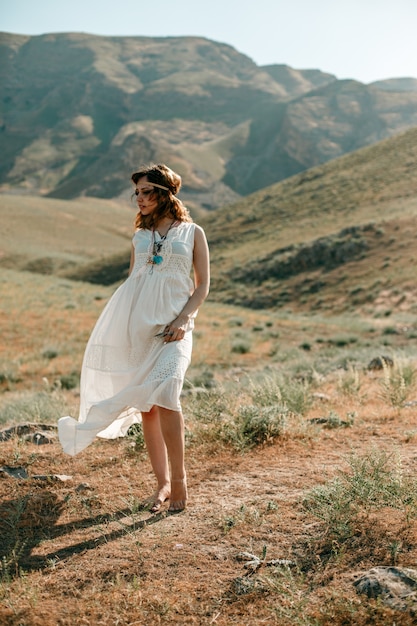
point(201, 264)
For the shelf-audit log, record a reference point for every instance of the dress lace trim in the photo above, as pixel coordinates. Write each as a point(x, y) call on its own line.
point(171, 263)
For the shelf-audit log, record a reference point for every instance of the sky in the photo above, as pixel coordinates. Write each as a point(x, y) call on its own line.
point(366, 40)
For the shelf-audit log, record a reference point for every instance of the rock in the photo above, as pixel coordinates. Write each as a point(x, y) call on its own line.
point(378, 362)
point(395, 586)
point(63, 478)
point(14, 472)
point(41, 437)
point(253, 563)
point(324, 397)
point(25, 429)
point(280, 563)
point(83, 487)
point(325, 252)
point(331, 422)
point(20, 472)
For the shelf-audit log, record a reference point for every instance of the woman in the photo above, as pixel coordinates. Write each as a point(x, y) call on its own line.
point(136, 358)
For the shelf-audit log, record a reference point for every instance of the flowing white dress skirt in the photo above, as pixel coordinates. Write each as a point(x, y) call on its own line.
point(126, 368)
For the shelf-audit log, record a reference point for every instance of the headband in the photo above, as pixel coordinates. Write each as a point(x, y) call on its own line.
point(159, 186)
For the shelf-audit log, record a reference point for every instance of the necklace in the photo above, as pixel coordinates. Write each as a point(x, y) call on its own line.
point(155, 258)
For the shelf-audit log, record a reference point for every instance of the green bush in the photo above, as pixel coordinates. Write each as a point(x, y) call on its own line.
point(208, 406)
point(241, 346)
point(290, 392)
point(69, 381)
point(373, 481)
point(135, 433)
point(254, 426)
point(261, 425)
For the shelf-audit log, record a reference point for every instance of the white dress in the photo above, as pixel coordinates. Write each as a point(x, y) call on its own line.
point(126, 368)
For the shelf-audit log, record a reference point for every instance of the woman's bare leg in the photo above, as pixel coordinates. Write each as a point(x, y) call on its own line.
point(172, 428)
point(157, 451)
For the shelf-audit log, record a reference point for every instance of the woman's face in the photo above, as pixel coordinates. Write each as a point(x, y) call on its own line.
point(145, 196)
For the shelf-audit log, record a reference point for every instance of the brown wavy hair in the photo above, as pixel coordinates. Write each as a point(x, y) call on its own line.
point(168, 204)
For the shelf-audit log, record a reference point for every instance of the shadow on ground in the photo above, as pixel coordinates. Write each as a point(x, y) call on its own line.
point(28, 521)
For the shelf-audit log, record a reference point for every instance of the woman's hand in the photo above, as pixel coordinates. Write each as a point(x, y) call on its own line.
point(175, 331)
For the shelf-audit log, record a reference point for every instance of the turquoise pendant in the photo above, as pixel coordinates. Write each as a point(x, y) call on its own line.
point(157, 259)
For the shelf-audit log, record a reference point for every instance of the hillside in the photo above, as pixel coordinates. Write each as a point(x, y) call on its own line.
point(339, 236)
point(78, 112)
point(278, 408)
point(46, 235)
point(336, 236)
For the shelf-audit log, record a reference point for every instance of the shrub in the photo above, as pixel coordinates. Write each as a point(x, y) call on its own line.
point(261, 425)
point(390, 330)
point(373, 481)
point(33, 407)
point(69, 381)
point(341, 341)
point(50, 353)
point(293, 393)
point(235, 321)
point(204, 379)
point(241, 346)
point(254, 426)
point(135, 433)
point(349, 381)
point(397, 383)
point(208, 406)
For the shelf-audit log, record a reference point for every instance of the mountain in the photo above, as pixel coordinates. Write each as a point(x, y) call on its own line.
point(79, 112)
point(321, 125)
point(297, 82)
point(396, 84)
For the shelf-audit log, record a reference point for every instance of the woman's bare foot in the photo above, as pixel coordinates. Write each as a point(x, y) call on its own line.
point(161, 494)
point(178, 498)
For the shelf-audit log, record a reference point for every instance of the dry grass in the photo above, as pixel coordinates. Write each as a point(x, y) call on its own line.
point(86, 551)
point(45, 322)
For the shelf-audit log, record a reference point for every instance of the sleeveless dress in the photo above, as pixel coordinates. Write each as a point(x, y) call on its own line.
point(126, 368)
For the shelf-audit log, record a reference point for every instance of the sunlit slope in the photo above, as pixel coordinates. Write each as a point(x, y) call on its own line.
point(45, 235)
point(312, 237)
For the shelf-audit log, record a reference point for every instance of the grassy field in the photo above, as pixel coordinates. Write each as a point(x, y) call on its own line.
point(297, 454)
point(300, 414)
